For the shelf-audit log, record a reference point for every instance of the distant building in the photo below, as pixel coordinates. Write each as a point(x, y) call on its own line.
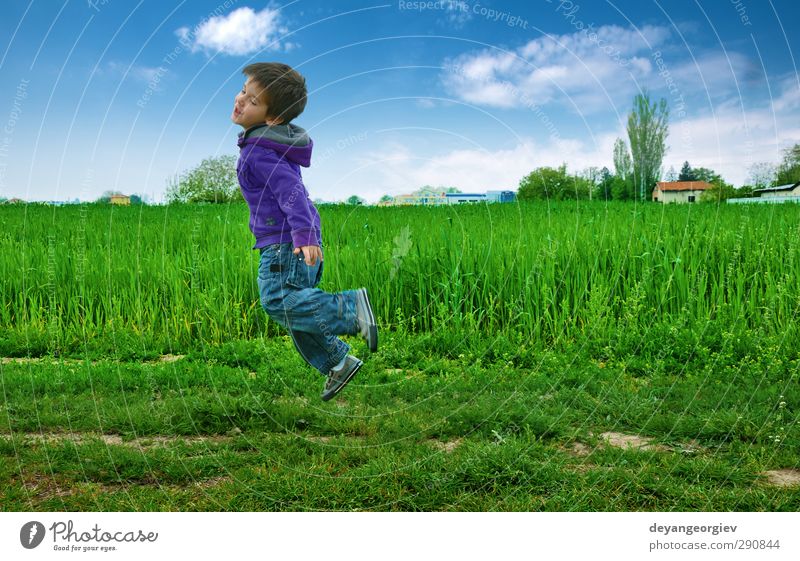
point(789, 190)
point(120, 200)
point(789, 193)
point(434, 198)
point(501, 196)
point(458, 198)
point(488, 197)
point(15, 201)
point(679, 191)
point(419, 199)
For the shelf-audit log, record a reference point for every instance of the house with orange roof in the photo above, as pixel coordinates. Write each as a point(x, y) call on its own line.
point(679, 191)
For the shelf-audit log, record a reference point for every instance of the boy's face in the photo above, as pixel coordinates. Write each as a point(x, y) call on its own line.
point(249, 108)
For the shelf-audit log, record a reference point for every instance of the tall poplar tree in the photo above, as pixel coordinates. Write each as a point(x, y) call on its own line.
point(648, 128)
point(623, 167)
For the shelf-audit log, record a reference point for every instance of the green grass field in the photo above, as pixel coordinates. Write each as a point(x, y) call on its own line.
point(561, 357)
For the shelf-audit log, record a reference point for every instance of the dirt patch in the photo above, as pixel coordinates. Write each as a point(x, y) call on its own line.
point(691, 447)
point(446, 445)
point(581, 450)
point(628, 441)
point(154, 441)
point(18, 359)
point(291, 400)
point(61, 361)
point(578, 449)
point(328, 438)
point(170, 358)
point(783, 477)
point(43, 488)
point(143, 442)
point(51, 437)
point(635, 442)
point(213, 482)
point(587, 467)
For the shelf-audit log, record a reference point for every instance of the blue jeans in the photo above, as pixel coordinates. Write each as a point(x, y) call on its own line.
point(288, 291)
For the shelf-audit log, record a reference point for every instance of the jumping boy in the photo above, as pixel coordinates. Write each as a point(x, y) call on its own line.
point(287, 229)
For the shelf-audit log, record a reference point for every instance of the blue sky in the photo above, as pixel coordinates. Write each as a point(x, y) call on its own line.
point(100, 95)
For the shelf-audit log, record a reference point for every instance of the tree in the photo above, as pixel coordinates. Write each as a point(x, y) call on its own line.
point(720, 189)
point(212, 181)
point(648, 128)
point(386, 199)
point(552, 183)
point(687, 174)
point(623, 166)
point(604, 187)
point(592, 177)
point(543, 183)
point(789, 170)
point(706, 174)
point(581, 188)
point(719, 192)
point(621, 187)
point(621, 190)
point(672, 175)
point(762, 174)
point(355, 200)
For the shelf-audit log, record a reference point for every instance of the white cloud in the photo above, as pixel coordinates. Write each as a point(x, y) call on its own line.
point(396, 168)
point(597, 70)
point(728, 141)
point(597, 62)
point(715, 74)
point(732, 140)
point(241, 32)
point(789, 98)
point(468, 169)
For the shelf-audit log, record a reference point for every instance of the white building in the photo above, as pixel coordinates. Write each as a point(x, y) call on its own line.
point(488, 197)
point(789, 190)
point(789, 193)
point(679, 191)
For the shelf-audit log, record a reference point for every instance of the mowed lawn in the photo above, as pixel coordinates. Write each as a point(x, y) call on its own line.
point(559, 356)
point(241, 427)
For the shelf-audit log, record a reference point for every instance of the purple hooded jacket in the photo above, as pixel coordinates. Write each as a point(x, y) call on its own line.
point(269, 177)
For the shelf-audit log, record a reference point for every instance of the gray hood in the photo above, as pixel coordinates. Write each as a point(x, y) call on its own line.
point(290, 135)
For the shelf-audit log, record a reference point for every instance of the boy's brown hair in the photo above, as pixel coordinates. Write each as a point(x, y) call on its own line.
point(284, 88)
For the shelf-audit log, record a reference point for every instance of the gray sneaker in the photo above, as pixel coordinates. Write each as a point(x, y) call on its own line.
point(338, 379)
point(366, 319)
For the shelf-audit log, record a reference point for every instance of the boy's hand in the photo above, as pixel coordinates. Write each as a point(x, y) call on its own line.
point(311, 252)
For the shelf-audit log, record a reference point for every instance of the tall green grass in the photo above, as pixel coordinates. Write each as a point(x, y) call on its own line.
point(548, 271)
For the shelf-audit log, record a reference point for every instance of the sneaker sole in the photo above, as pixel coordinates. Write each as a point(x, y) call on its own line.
point(326, 397)
point(372, 336)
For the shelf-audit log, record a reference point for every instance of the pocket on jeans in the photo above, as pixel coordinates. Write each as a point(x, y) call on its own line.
point(302, 275)
point(267, 260)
